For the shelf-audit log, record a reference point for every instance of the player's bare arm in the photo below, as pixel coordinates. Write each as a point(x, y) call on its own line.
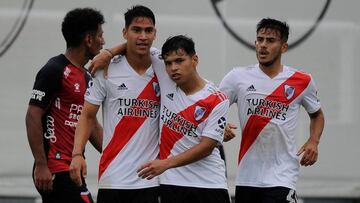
point(103, 59)
point(42, 174)
point(156, 167)
point(78, 166)
point(96, 136)
point(310, 148)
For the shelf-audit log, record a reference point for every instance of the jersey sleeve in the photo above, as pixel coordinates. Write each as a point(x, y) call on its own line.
point(215, 124)
point(47, 84)
point(228, 86)
point(96, 92)
point(157, 63)
point(310, 99)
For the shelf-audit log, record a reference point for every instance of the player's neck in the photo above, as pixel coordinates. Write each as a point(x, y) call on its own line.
point(140, 63)
point(272, 70)
point(77, 57)
point(193, 85)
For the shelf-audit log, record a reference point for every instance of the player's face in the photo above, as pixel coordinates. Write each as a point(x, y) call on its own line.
point(95, 42)
point(269, 47)
point(140, 35)
point(180, 66)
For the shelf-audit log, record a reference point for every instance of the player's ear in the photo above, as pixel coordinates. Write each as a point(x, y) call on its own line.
point(284, 47)
point(88, 39)
point(124, 32)
point(195, 60)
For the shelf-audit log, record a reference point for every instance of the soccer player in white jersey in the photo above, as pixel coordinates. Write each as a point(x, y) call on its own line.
point(130, 98)
point(192, 122)
point(268, 96)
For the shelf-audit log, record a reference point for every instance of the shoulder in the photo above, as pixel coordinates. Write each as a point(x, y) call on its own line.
point(298, 73)
point(54, 67)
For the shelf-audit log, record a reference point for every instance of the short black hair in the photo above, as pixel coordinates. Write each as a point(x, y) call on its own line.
point(79, 22)
point(138, 11)
point(273, 24)
point(178, 42)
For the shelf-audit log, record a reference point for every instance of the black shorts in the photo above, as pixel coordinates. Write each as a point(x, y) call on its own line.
point(145, 195)
point(65, 190)
point(180, 194)
point(245, 194)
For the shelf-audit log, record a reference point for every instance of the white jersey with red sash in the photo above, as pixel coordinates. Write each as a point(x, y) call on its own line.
point(268, 110)
point(131, 127)
point(184, 119)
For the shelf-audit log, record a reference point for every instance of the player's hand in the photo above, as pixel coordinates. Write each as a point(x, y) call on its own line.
point(309, 153)
point(100, 62)
point(229, 133)
point(152, 168)
point(43, 178)
point(78, 169)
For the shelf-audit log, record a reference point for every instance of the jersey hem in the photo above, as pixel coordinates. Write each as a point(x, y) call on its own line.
point(219, 186)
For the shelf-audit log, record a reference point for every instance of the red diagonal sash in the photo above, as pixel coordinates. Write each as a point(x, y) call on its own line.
point(125, 129)
point(256, 123)
point(169, 137)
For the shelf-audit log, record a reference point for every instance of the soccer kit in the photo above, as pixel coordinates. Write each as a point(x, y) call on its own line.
point(130, 104)
point(184, 119)
point(59, 89)
point(268, 110)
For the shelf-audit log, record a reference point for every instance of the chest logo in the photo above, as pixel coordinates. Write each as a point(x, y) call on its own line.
point(170, 96)
point(156, 88)
point(77, 87)
point(199, 112)
point(122, 87)
point(289, 91)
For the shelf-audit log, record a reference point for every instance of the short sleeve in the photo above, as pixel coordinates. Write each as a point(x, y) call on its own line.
point(228, 86)
point(47, 83)
point(96, 92)
point(310, 99)
point(215, 124)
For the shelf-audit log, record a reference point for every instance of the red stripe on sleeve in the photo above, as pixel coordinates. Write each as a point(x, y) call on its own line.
point(256, 123)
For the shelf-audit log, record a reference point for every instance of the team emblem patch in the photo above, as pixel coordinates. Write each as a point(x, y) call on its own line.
point(156, 88)
point(199, 112)
point(289, 91)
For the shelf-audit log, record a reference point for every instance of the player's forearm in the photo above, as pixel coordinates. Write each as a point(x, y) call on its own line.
point(118, 49)
point(82, 133)
point(96, 136)
point(317, 122)
point(35, 137)
point(196, 153)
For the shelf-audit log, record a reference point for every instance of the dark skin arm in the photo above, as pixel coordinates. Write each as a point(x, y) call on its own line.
point(310, 148)
point(34, 129)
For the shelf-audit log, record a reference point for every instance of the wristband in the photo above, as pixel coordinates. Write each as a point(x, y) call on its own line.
point(109, 52)
point(78, 154)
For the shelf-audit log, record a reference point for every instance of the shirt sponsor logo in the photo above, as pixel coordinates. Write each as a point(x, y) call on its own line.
point(178, 123)
point(222, 122)
point(50, 129)
point(37, 95)
point(138, 108)
point(199, 112)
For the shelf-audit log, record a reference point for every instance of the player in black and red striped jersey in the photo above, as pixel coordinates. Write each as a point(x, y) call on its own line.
point(56, 104)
